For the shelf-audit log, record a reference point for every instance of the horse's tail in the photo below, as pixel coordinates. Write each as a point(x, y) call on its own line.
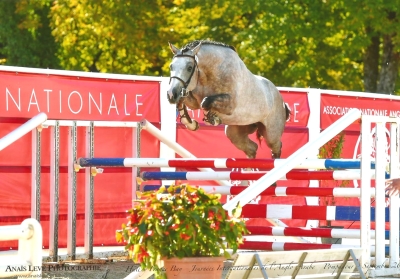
point(287, 111)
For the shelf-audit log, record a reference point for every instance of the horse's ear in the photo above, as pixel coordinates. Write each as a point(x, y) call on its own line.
point(196, 49)
point(173, 48)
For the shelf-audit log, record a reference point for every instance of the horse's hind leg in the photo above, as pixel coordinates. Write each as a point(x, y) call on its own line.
point(239, 136)
point(272, 138)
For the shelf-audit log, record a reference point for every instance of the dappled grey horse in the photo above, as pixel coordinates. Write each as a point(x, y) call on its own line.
point(211, 76)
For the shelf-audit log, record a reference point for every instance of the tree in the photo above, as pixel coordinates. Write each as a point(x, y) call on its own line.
point(344, 45)
point(378, 23)
point(292, 43)
point(25, 34)
point(111, 36)
point(322, 44)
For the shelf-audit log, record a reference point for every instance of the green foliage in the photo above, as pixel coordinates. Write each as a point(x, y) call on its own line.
point(110, 36)
point(306, 43)
point(181, 221)
point(25, 34)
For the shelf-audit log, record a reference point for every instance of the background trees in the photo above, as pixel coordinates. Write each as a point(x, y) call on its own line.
point(25, 34)
point(345, 45)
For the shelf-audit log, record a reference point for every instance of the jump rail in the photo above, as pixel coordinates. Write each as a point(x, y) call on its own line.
point(279, 191)
point(309, 232)
point(254, 175)
point(267, 164)
point(293, 246)
point(29, 259)
point(313, 212)
point(22, 130)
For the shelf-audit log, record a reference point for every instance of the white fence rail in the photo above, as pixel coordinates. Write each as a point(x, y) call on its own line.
point(22, 130)
point(28, 261)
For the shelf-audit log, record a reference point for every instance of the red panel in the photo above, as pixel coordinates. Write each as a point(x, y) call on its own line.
point(300, 109)
point(64, 97)
point(112, 191)
point(333, 107)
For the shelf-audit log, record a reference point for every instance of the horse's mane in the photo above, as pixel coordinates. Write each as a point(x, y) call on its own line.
point(195, 43)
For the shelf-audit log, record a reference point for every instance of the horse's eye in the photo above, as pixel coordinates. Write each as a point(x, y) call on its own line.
point(190, 68)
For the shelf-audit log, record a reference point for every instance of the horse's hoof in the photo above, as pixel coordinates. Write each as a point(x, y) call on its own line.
point(216, 121)
point(212, 121)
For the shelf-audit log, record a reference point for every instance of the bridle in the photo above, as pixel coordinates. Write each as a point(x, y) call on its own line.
point(185, 92)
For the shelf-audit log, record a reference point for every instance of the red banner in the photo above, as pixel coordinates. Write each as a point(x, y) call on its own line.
point(299, 107)
point(334, 107)
point(25, 95)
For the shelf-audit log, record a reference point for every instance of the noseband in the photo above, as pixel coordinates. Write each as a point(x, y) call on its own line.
point(185, 92)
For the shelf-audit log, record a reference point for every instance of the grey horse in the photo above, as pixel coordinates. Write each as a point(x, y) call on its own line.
point(211, 76)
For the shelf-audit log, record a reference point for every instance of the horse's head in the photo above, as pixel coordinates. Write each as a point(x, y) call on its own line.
point(182, 67)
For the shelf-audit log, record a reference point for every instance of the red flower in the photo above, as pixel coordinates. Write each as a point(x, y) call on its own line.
point(215, 226)
point(142, 254)
point(133, 218)
point(158, 215)
point(175, 226)
point(185, 236)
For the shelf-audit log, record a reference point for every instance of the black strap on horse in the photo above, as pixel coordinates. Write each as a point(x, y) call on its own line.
point(185, 114)
point(184, 91)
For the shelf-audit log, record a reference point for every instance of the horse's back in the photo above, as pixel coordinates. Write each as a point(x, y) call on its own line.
point(258, 99)
point(254, 98)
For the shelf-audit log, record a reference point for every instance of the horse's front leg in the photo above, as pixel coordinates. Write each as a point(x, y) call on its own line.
point(217, 104)
point(222, 103)
point(190, 124)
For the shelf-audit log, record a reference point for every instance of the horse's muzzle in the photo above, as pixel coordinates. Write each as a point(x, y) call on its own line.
point(173, 96)
point(170, 96)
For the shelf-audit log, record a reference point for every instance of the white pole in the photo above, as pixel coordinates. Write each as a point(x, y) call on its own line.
point(22, 130)
point(146, 125)
point(380, 166)
point(29, 259)
point(365, 200)
point(394, 200)
point(314, 129)
point(15, 232)
point(30, 249)
point(264, 182)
